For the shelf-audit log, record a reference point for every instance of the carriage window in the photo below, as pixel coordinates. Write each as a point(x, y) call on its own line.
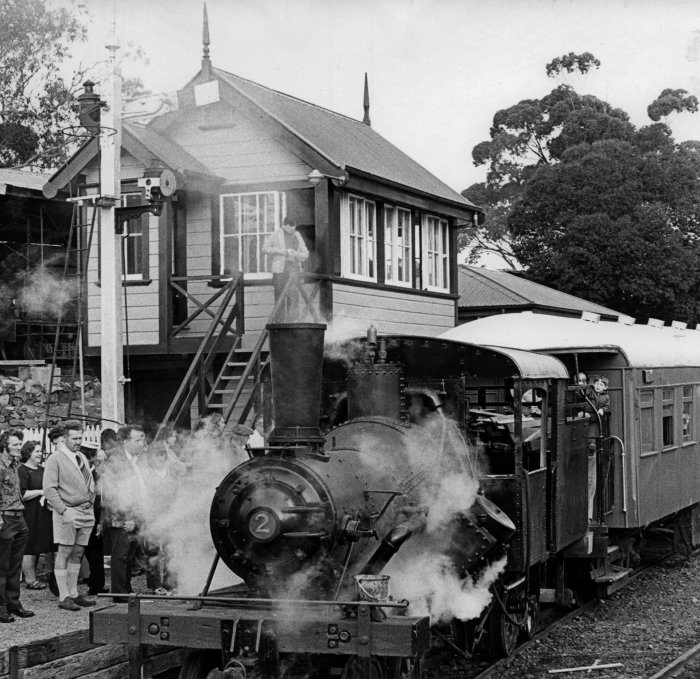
point(687, 414)
point(646, 417)
point(667, 418)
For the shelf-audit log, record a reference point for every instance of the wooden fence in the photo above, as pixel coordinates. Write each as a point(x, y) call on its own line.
point(91, 434)
point(72, 656)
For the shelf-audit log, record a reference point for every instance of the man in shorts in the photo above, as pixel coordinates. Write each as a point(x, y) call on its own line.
point(69, 487)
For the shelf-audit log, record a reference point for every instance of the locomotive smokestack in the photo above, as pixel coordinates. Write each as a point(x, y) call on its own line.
point(296, 358)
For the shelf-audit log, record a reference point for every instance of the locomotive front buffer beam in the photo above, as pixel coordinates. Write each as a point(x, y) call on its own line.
point(246, 631)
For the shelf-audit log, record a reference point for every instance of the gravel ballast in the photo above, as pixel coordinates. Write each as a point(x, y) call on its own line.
point(644, 627)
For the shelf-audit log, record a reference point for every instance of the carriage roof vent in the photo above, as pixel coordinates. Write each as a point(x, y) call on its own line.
point(626, 320)
point(590, 317)
point(679, 325)
point(655, 323)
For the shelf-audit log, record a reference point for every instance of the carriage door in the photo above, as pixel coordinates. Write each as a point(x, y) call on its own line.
point(533, 432)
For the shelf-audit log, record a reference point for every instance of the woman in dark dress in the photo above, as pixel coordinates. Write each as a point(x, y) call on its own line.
point(37, 515)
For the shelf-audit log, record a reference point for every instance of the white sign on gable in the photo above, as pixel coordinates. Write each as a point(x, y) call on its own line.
point(206, 93)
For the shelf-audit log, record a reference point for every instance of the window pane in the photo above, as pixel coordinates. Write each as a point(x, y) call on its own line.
point(688, 421)
point(667, 425)
point(667, 394)
point(133, 254)
point(230, 210)
point(687, 392)
point(231, 257)
point(646, 397)
point(647, 426)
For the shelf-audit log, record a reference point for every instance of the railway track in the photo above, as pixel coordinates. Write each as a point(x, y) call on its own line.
point(674, 670)
point(685, 666)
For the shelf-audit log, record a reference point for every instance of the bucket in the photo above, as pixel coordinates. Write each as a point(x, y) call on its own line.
point(372, 587)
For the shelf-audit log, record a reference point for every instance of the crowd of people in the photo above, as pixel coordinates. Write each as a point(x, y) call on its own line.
point(68, 504)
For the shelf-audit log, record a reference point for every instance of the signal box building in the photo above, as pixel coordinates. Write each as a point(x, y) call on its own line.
point(381, 230)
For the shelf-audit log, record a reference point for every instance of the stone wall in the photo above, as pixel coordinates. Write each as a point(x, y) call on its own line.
point(25, 391)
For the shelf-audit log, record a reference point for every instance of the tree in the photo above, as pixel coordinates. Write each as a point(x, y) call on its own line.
point(36, 104)
point(595, 206)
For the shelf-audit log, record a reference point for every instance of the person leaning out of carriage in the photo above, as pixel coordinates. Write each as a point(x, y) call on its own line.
point(596, 408)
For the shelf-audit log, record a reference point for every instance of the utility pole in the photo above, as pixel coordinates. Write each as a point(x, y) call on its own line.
point(112, 354)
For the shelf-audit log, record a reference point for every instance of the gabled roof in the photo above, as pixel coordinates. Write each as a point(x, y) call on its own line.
point(347, 143)
point(18, 179)
point(485, 289)
point(145, 145)
point(165, 149)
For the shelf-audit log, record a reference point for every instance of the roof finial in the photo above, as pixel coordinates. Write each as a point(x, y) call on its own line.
point(366, 119)
point(206, 62)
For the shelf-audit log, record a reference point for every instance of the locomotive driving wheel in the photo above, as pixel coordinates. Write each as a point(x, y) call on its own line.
point(353, 670)
point(199, 664)
point(504, 624)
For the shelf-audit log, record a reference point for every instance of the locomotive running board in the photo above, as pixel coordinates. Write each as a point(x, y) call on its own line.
point(320, 630)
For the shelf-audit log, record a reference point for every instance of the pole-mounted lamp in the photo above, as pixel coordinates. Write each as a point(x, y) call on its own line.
point(316, 176)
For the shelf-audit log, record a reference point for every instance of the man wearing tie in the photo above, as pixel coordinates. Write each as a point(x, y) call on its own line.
point(123, 492)
point(69, 488)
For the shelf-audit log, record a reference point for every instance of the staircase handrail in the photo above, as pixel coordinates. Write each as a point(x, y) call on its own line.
point(186, 392)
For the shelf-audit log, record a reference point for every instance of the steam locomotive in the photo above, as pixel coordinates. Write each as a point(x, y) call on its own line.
point(393, 451)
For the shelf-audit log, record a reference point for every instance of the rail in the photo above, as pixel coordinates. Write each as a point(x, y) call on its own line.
point(229, 283)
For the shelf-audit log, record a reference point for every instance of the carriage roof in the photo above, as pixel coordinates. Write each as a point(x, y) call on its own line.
point(639, 345)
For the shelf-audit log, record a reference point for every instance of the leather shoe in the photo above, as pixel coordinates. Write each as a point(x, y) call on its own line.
point(68, 604)
point(93, 592)
point(83, 600)
point(6, 617)
point(22, 613)
point(53, 585)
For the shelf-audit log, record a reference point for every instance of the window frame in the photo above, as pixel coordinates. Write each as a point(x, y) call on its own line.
point(144, 235)
point(647, 406)
point(392, 247)
point(280, 206)
point(688, 400)
point(437, 256)
point(352, 252)
point(667, 403)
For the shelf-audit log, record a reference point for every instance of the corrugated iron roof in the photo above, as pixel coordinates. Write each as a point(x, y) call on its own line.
point(344, 141)
point(20, 179)
point(483, 288)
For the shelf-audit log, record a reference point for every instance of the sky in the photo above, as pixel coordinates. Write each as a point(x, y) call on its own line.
point(438, 69)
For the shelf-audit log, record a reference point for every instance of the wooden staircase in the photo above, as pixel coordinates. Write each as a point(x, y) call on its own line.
point(223, 378)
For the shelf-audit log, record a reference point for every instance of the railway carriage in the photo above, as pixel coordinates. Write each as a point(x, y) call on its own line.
point(360, 434)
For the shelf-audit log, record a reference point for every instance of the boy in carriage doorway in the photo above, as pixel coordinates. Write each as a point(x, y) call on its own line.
point(597, 407)
point(287, 251)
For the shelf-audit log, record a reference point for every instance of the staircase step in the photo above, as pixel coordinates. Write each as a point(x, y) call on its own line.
point(614, 552)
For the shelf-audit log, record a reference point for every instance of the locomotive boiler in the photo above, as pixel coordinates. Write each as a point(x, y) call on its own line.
point(306, 515)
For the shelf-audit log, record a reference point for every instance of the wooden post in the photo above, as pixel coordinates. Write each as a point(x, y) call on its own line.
point(112, 350)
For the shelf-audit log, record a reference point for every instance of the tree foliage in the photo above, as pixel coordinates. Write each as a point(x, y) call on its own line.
point(35, 101)
point(594, 206)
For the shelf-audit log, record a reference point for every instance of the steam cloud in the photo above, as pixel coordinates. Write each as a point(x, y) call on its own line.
point(174, 513)
point(44, 293)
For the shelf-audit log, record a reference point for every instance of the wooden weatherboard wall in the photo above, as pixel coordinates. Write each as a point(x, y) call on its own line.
point(236, 148)
point(142, 297)
point(393, 311)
